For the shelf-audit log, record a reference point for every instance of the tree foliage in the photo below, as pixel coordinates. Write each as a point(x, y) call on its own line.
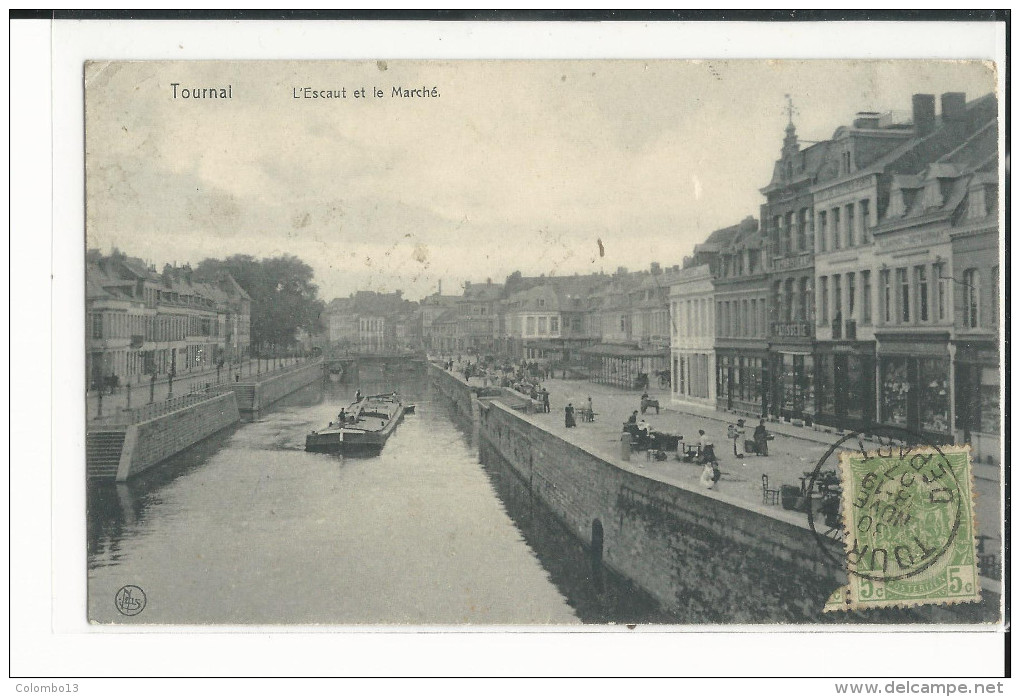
point(284, 297)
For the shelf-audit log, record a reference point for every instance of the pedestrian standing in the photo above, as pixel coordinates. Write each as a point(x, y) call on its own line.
point(545, 400)
point(568, 416)
point(735, 432)
point(761, 439)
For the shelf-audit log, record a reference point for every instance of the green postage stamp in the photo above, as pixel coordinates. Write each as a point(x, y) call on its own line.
point(908, 517)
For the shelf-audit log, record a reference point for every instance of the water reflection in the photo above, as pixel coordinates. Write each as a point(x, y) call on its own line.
point(247, 527)
point(596, 593)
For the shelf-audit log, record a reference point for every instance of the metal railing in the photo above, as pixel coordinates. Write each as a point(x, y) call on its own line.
point(127, 417)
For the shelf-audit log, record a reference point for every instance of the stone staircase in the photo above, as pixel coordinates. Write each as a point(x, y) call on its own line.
point(245, 395)
point(102, 453)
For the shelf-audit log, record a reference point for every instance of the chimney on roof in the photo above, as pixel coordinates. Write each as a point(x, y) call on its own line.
point(621, 270)
point(655, 268)
point(440, 292)
point(866, 119)
point(924, 114)
point(954, 106)
point(488, 281)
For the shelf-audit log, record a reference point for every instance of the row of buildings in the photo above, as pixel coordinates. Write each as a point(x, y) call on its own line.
point(869, 293)
point(865, 291)
point(141, 322)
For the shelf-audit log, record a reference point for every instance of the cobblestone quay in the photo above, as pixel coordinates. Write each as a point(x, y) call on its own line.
point(706, 556)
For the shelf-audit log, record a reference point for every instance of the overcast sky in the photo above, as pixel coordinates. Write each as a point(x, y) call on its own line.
point(516, 165)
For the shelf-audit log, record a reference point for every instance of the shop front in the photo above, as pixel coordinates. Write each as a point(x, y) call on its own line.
point(792, 371)
point(793, 385)
point(844, 382)
point(741, 381)
point(915, 385)
point(978, 390)
point(626, 366)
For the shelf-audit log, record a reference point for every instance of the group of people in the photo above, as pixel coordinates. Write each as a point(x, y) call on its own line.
point(569, 414)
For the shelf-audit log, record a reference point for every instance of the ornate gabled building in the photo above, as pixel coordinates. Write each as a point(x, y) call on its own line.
point(789, 222)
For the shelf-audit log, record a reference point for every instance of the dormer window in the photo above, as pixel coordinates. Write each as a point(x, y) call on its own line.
point(932, 194)
point(846, 162)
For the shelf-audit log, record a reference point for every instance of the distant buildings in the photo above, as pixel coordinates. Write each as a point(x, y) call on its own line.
point(141, 322)
point(371, 322)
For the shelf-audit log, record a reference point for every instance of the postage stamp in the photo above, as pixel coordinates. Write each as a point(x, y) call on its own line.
point(908, 517)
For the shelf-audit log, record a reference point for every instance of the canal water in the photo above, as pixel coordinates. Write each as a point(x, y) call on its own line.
point(246, 528)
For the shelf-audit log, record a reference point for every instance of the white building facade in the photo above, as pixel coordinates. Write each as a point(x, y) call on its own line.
point(692, 337)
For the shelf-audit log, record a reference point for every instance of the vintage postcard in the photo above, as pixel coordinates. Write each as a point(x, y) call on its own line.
point(544, 342)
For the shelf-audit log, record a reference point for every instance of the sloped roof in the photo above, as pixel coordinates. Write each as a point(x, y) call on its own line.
point(483, 292)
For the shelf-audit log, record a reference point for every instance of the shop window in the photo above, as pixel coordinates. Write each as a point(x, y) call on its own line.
point(826, 384)
point(933, 394)
point(855, 383)
point(895, 391)
point(988, 413)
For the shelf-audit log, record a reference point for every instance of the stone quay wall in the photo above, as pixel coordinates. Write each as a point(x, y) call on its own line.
point(150, 442)
point(456, 390)
point(276, 387)
point(705, 559)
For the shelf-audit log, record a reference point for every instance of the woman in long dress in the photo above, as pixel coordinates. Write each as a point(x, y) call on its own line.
point(708, 476)
point(568, 416)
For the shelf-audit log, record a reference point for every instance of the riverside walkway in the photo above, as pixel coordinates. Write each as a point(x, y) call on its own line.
point(794, 451)
point(137, 394)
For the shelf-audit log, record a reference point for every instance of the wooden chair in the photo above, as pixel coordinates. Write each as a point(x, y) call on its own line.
point(768, 496)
